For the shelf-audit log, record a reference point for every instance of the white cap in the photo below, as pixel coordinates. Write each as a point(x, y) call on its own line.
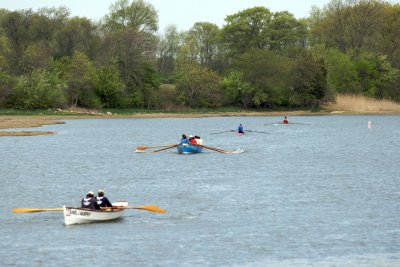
point(101, 191)
point(190, 136)
point(90, 193)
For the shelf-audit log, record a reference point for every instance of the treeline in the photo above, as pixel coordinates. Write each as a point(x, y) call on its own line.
point(258, 59)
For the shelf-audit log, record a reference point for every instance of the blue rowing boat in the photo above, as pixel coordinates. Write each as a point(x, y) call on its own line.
point(188, 148)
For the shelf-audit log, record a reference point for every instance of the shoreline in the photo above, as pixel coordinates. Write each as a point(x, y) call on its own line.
point(32, 121)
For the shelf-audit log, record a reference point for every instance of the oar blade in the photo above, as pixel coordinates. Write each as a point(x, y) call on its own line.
point(27, 210)
point(152, 208)
point(142, 147)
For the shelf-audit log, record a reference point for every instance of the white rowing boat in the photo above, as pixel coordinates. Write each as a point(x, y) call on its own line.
point(73, 215)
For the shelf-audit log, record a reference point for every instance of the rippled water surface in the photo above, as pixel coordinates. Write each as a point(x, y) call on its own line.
point(322, 194)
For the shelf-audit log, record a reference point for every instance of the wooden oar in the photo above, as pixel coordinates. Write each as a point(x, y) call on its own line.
point(216, 149)
point(146, 147)
point(21, 210)
point(158, 150)
point(152, 208)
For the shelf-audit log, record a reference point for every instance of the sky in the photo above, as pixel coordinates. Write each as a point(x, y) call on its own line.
point(182, 13)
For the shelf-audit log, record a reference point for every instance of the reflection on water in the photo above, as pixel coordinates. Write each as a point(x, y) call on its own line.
point(323, 194)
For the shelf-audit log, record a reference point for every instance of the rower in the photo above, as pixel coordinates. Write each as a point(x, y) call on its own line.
point(89, 202)
point(240, 129)
point(101, 200)
point(285, 120)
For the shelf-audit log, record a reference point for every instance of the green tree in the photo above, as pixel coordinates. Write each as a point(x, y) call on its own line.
point(269, 75)
point(40, 90)
point(130, 43)
point(388, 40)
point(167, 50)
point(6, 86)
point(347, 25)
point(309, 81)
point(80, 76)
point(237, 90)
point(137, 15)
point(186, 57)
point(286, 33)
point(342, 74)
point(109, 87)
point(200, 88)
point(247, 29)
point(78, 34)
point(376, 75)
point(205, 38)
point(37, 55)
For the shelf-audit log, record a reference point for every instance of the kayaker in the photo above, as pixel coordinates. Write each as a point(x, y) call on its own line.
point(285, 120)
point(101, 200)
point(240, 129)
point(184, 139)
point(89, 202)
point(192, 140)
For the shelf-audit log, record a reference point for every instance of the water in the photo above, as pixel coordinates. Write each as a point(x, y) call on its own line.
point(324, 194)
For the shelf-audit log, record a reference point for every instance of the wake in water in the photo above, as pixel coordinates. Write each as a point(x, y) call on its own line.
point(237, 151)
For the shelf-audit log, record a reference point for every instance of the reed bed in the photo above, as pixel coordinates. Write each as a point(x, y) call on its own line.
point(362, 104)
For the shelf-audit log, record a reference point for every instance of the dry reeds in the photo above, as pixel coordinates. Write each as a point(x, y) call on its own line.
point(362, 104)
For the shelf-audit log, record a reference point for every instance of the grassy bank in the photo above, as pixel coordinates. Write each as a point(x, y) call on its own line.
point(362, 105)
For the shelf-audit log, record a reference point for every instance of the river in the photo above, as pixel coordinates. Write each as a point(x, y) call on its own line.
point(323, 191)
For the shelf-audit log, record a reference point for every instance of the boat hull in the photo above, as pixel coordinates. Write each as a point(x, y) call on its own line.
point(73, 215)
point(189, 149)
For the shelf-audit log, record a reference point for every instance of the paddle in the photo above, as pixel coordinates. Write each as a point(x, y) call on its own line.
point(216, 149)
point(146, 147)
point(224, 132)
point(164, 148)
point(21, 210)
point(152, 208)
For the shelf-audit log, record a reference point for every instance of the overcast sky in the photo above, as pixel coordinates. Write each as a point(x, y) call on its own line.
point(182, 13)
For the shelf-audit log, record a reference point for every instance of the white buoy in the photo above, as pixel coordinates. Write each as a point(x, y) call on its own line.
point(369, 125)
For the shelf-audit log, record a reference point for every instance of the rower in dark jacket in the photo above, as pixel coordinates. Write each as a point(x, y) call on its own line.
point(89, 202)
point(101, 200)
